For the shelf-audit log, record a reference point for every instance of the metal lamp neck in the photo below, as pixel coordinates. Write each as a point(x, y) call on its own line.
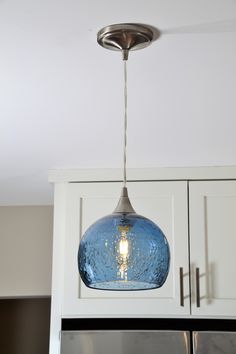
point(124, 206)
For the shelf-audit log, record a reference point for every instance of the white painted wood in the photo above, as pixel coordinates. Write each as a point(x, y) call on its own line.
point(58, 265)
point(211, 212)
point(213, 243)
point(25, 251)
point(163, 202)
point(142, 174)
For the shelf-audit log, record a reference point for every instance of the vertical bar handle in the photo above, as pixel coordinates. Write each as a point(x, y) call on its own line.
point(198, 287)
point(181, 285)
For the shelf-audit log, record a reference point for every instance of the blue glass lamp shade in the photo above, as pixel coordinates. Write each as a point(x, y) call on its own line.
point(124, 251)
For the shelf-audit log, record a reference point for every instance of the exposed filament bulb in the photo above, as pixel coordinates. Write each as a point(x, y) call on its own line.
point(123, 252)
point(124, 247)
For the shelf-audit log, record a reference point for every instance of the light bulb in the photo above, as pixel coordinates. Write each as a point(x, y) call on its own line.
point(123, 252)
point(124, 247)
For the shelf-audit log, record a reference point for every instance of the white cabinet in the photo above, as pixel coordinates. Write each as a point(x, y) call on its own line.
point(163, 202)
point(212, 215)
point(196, 209)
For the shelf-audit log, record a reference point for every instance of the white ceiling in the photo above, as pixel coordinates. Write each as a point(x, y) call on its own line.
point(61, 101)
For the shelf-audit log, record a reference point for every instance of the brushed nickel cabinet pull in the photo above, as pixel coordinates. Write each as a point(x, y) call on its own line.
point(198, 287)
point(181, 285)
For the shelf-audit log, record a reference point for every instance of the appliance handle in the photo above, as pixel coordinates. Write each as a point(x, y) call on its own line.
point(198, 287)
point(181, 285)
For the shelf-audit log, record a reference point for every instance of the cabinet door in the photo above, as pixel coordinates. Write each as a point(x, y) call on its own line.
point(212, 246)
point(163, 202)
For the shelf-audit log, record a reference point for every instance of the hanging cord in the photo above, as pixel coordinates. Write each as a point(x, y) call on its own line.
point(125, 119)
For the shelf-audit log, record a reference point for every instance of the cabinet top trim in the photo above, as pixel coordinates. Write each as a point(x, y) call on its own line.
point(141, 174)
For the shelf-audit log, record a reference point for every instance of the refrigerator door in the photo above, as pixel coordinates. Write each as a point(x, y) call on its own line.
point(125, 342)
point(214, 342)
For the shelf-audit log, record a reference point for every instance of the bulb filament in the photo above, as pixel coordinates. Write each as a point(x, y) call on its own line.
point(123, 252)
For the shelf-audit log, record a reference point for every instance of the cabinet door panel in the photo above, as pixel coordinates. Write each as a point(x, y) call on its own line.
point(163, 202)
point(213, 245)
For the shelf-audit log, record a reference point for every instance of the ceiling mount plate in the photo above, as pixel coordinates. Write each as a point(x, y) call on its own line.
point(125, 36)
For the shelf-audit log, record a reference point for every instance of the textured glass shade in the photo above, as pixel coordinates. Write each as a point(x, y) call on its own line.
point(124, 252)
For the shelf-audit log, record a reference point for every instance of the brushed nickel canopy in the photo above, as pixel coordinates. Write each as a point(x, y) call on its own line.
point(125, 37)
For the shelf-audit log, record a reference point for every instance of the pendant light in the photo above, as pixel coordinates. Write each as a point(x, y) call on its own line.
point(124, 251)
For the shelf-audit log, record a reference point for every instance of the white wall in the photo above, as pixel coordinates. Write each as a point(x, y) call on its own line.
point(25, 250)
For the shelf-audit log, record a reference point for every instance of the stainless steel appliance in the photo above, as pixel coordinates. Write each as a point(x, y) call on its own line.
point(125, 342)
point(147, 342)
point(214, 342)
